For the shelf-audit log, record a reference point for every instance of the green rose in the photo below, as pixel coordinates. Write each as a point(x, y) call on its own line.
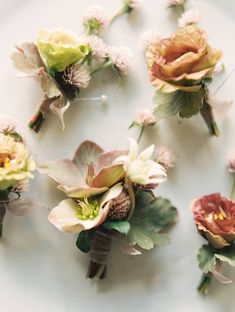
point(59, 49)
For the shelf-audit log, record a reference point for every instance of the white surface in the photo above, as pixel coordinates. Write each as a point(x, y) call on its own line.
point(41, 269)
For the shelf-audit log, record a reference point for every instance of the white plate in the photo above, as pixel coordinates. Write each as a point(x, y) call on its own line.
point(40, 268)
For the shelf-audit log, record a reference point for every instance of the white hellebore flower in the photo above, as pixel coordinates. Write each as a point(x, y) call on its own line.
point(140, 168)
point(74, 216)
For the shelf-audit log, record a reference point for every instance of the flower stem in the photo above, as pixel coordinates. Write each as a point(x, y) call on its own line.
point(141, 134)
point(207, 115)
point(117, 15)
point(232, 194)
point(100, 248)
point(3, 201)
point(36, 121)
point(101, 67)
point(205, 282)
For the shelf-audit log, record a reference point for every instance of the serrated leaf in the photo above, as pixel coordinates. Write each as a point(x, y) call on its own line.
point(206, 258)
point(186, 104)
point(191, 103)
point(150, 217)
point(226, 255)
point(120, 226)
point(84, 240)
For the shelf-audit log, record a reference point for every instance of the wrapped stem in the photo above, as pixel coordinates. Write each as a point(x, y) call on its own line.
point(203, 287)
point(36, 121)
point(207, 114)
point(100, 248)
point(3, 201)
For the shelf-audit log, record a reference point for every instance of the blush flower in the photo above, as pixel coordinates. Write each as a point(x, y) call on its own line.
point(74, 216)
point(7, 124)
point(214, 216)
point(97, 46)
point(95, 20)
point(145, 118)
point(189, 17)
point(77, 75)
point(182, 61)
point(140, 168)
point(165, 157)
point(121, 59)
point(148, 38)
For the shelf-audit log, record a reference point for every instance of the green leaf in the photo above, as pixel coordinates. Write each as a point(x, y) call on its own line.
point(186, 104)
point(206, 258)
point(120, 226)
point(84, 240)
point(191, 103)
point(149, 218)
point(226, 255)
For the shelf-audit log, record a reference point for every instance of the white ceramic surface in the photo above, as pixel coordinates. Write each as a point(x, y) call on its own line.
point(41, 269)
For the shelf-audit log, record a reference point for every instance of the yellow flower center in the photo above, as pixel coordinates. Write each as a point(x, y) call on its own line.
point(86, 210)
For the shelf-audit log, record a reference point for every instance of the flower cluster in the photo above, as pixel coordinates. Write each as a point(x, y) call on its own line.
point(16, 165)
point(64, 64)
point(110, 193)
point(181, 68)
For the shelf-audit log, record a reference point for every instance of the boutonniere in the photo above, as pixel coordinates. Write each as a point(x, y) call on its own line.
point(110, 194)
point(16, 167)
point(181, 69)
point(214, 216)
point(64, 64)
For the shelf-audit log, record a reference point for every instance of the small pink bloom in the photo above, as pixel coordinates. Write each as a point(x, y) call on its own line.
point(165, 157)
point(189, 17)
point(121, 58)
point(7, 124)
point(98, 47)
point(133, 4)
point(145, 117)
point(95, 20)
point(148, 38)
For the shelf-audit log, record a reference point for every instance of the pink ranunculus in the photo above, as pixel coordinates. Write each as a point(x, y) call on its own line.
point(214, 216)
point(181, 61)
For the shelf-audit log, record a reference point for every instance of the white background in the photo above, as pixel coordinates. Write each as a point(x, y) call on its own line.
point(41, 269)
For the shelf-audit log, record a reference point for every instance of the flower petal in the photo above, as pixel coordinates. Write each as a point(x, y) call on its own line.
point(133, 148)
point(64, 217)
point(108, 176)
point(80, 192)
point(147, 153)
point(63, 171)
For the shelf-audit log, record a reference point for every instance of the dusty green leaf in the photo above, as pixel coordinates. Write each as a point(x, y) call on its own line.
point(150, 217)
point(84, 240)
point(186, 104)
point(120, 226)
point(206, 258)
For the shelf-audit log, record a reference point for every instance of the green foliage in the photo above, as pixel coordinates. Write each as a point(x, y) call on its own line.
point(150, 217)
point(206, 258)
point(208, 255)
point(120, 226)
point(84, 240)
point(186, 104)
